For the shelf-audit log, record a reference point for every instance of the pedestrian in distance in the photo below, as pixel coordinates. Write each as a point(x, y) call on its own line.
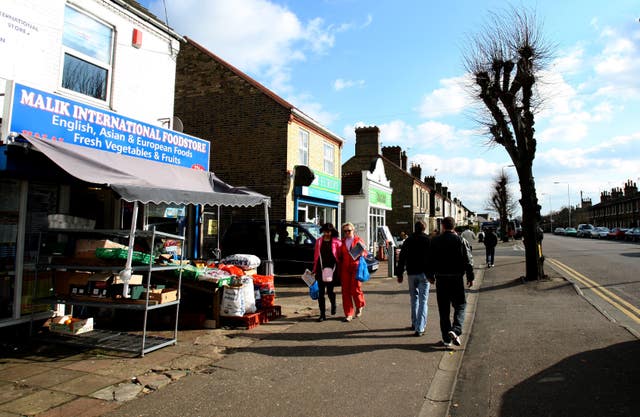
point(449, 260)
point(481, 236)
point(326, 265)
point(413, 257)
point(352, 294)
point(469, 236)
point(490, 243)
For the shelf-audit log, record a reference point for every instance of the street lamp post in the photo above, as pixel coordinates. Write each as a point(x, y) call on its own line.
point(568, 200)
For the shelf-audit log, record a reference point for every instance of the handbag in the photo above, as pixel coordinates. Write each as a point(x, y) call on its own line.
point(327, 273)
point(362, 274)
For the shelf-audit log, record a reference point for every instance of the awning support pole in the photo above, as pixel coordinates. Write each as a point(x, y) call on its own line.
point(125, 274)
point(269, 262)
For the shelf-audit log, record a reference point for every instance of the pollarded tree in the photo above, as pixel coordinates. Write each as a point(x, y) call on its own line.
point(504, 60)
point(501, 200)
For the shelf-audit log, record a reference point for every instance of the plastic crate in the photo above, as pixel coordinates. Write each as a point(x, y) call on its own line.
point(270, 313)
point(248, 320)
point(121, 254)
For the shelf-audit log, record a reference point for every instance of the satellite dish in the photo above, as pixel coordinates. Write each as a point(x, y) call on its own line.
point(176, 124)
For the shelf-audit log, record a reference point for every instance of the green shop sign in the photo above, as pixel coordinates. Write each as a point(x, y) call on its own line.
point(324, 182)
point(379, 197)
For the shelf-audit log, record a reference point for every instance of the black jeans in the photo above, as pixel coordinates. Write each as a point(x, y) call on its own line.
point(327, 287)
point(491, 253)
point(450, 292)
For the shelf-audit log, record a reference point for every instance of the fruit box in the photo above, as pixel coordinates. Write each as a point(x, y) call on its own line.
point(163, 295)
point(71, 325)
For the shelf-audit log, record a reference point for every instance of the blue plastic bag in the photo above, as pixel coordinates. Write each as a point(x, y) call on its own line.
point(363, 272)
point(314, 291)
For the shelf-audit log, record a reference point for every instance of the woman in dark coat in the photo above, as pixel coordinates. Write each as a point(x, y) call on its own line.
point(325, 257)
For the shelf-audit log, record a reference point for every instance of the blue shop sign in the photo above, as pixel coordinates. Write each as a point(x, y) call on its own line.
point(37, 113)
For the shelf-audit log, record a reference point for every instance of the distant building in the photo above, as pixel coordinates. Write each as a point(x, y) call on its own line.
point(618, 208)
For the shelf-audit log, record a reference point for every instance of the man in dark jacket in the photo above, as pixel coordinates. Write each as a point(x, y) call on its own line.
point(448, 263)
point(413, 256)
point(490, 242)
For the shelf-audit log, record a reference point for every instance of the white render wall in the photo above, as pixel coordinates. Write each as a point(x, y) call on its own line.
point(142, 83)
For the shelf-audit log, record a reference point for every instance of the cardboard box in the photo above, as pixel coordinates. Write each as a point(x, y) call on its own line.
point(135, 291)
point(136, 279)
point(71, 325)
point(86, 248)
point(65, 279)
point(75, 289)
point(164, 295)
point(98, 284)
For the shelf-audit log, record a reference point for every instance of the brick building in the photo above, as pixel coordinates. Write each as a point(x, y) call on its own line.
point(618, 208)
point(410, 196)
point(258, 139)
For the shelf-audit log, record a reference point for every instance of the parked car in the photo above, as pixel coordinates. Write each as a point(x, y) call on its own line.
point(292, 244)
point(570, 231)
point(616, 233)
point(599, 232)
point(558, 231)
point(633, 234)
point(584, 230)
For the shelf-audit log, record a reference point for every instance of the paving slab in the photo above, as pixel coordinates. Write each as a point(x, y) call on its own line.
point(120, 392)
point(153, 381)
point(85, 384)
point(21, 371)
point(37, 402)
point(11, 391)
point(51, 377)
point(81, 407)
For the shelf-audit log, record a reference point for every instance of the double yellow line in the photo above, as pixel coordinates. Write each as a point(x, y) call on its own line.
point(626, 308)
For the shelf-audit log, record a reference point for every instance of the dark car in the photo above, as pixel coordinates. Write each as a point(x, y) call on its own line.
point(292, 244)
point(633, 234)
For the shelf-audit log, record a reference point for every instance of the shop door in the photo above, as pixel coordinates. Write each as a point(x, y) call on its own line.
point(9, 216)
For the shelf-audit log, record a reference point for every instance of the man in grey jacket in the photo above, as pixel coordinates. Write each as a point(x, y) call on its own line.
point(413, 256)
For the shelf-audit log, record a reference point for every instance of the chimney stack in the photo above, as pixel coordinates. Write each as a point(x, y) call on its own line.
point(368, 141)
point(416, 171)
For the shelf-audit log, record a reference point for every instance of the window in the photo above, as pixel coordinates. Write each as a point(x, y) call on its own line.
point(329, 166)
point(303, 147)
point(87, 49)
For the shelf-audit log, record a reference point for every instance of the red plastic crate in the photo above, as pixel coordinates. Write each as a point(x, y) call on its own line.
point(270, 313)
point(248, 320)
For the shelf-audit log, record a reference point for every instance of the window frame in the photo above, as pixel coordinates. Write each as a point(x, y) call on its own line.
point(108, 67)
point(328, 147)
point(303, 147)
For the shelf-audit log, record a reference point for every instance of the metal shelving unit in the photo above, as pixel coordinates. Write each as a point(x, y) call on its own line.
point(107, 339)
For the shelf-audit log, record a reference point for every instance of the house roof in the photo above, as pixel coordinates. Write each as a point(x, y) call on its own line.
point(142, 12)
point(295, 112)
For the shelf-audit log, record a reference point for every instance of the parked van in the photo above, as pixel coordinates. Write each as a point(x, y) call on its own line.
point(584, 230)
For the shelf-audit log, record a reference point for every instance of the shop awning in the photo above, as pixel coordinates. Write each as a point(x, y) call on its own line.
point(136, 179)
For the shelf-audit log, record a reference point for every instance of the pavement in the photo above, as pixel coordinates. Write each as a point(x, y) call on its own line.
point(529, 349)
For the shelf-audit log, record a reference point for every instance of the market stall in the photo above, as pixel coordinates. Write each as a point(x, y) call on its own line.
point(143, 181)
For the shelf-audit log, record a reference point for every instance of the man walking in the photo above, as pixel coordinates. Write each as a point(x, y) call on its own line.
point(413, 256)
point(490, 242)
point(469, 236)
point(449, 260)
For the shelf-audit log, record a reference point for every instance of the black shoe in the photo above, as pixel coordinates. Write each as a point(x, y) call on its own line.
point(333, 310)
point(418, 334)
point(322, 318)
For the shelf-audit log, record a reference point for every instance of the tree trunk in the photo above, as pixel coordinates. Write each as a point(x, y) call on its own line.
point(532, 240)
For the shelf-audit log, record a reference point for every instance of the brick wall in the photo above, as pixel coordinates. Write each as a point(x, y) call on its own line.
point(247, 128)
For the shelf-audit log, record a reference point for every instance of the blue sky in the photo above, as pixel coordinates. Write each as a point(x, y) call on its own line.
point(398, 65)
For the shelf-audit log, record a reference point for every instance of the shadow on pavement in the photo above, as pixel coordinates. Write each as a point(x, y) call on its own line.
point(333, 350)
point(631, 255)
point(601, 382)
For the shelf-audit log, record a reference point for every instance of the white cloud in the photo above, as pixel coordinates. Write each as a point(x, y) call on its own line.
point(341, 84)
point(569, 62)
point(451, 98)
point(258, 36)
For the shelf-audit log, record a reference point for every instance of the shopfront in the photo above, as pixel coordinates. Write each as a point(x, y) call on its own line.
point(59, 162)
point(319, 202)
point(367, 210)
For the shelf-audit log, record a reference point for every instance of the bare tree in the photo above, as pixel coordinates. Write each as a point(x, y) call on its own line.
point(501, 200)
point(505, 60)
